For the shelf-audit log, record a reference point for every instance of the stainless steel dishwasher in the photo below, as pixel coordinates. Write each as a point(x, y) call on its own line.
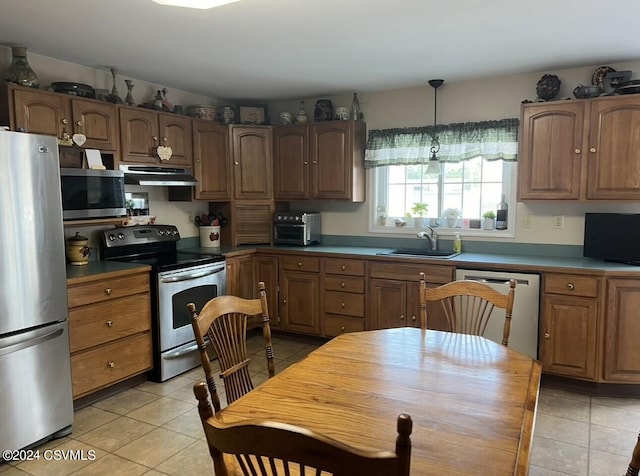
point(524, 321)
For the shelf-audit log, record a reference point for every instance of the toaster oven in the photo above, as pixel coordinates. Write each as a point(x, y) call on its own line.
point(296, 228)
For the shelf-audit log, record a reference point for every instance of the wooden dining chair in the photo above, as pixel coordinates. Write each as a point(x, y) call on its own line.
point(634, 465)
point(468, 305)
point(260, 448)
point(223, 320)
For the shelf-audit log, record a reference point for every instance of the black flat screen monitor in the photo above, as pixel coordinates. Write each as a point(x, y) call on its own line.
point(612, 237)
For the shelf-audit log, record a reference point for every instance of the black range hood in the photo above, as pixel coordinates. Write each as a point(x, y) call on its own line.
point(158, 176)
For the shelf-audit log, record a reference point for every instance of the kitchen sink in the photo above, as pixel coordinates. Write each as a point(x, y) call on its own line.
point(421, 253)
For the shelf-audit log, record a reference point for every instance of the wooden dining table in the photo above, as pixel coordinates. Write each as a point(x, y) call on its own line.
point(472, 401)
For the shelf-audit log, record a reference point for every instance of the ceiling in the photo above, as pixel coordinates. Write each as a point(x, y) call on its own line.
point(283, 49)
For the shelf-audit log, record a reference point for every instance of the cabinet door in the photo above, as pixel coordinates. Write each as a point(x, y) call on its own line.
point(568, 336)
point(291, 162)
point(549, 162)
point(139, 135)
point(42, 113)
point(614, 155)
point(232, 276)
point(175, 132)
point(97, 121)
point(299, 302)
point(387, 303)
point(267, 272)
point(336, 161)
point(622, 331)
point(247, 283)
point(211, 161)
point(252, 163)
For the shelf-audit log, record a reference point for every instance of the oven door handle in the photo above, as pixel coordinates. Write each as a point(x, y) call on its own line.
point(188, 277)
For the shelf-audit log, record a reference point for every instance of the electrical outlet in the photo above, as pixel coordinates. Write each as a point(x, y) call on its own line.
point(558, 222)
point(527, 221)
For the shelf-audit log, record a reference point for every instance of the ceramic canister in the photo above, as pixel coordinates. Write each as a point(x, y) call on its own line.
point(78, 250)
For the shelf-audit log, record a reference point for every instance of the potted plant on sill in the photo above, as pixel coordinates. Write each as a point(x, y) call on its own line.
point(488, 220)
point(452, 215)
point(419, 212)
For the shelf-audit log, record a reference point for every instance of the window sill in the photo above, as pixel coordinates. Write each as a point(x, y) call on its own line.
point(443, 231)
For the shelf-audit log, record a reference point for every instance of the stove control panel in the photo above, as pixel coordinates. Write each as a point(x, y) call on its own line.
point(140, 234)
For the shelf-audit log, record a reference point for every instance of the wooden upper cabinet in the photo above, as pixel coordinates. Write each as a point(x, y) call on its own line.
point(41, 113)
point(550, 157)
point(61, 115)
point(175, 132)
point(143, 130)
point(97, 121)
point(211, 161)
point(337, 158)
point(614, 149)
point(291, 162)
point(139, 135)
point(252, 162)
point(580, 150)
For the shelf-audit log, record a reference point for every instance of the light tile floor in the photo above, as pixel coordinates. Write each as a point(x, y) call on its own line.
point(154, 429)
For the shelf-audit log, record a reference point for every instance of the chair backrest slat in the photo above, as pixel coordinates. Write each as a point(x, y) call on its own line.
point(468, 305)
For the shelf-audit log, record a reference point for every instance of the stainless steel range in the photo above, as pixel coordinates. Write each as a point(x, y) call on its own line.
point(178, 278)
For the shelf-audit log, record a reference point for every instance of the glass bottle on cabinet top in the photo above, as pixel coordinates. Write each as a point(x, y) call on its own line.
point(501, 215)
point(356, 114)
point(19, 71)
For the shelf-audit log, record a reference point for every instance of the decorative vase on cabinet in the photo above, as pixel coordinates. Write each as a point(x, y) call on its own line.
point(20, 71)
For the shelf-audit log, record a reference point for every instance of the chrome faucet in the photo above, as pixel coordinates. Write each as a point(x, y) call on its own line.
point(431, 235)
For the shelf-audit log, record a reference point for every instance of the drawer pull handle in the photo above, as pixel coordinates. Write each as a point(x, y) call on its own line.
point(343, 267)
point(593, 149)
point(413, 318)
point(109, 323)
point(65, 121)
point(343, 305)
point(79, 123)
point(402, 317)
point(570, 286)
point(342, 285)
point(342, 329)
point(107, 291)
point(299, 264)
point(284, 301)
point(111, 365)
point(546, 335)
point(155, 138)
point(577, 151)
point(235, 162)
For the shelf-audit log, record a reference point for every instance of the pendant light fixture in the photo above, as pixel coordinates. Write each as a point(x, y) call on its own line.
point(200, 4)
point(434, 166)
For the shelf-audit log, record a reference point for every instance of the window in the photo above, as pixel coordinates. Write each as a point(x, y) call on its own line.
point(477, 162)
point(473, 187)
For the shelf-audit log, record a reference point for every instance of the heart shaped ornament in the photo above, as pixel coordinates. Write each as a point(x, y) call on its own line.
point(164, 152)
point(79, 139)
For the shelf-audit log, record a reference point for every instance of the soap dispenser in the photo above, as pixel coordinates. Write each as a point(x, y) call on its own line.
point(457, 244)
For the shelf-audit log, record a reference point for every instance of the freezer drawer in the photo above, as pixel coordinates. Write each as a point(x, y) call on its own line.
point(36, 387)
point(524, 322)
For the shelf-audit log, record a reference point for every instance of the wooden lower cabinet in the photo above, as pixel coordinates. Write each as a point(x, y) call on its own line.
point(241, 279)
point(569, 325)
point(109, 329)
point(394, 295)
point(343, 301)
point(299, 305)
point(622, 331)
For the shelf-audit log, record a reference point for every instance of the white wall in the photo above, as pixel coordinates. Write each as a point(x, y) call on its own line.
point(478, 100)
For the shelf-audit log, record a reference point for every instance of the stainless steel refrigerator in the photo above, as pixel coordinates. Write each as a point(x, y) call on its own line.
point(35, 368)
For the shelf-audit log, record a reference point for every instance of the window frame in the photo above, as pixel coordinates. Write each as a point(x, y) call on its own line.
point(378, 180)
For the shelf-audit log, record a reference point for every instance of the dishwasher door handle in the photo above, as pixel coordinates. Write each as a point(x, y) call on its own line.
point(503, 281)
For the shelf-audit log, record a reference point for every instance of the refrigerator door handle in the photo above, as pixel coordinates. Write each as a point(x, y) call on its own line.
point(28, 339)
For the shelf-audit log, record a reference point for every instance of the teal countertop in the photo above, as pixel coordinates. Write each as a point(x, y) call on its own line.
point(99, 267)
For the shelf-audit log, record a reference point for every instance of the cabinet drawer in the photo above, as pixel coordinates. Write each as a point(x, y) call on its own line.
point(571, 285)
point(344, 283)
point(300, 263)
point(110, 363)
point(352, 267)
point(106, 289)
point(411, 272)
point(344, 303)
point(108, 321)
point(336, 325)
